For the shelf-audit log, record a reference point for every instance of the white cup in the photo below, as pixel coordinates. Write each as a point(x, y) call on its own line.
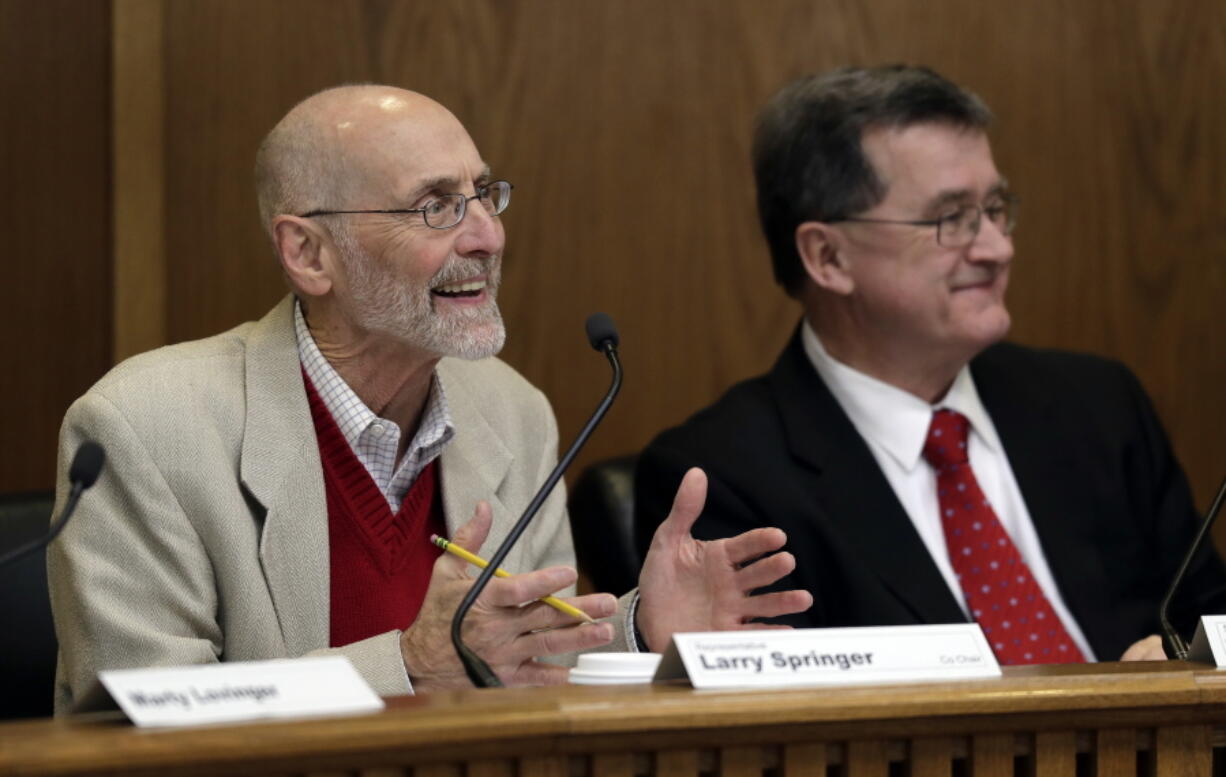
point(614, 668)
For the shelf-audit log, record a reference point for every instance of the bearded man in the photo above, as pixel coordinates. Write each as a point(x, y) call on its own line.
point(271, 490)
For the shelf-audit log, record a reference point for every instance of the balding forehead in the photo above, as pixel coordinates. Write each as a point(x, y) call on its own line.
point(350, 106)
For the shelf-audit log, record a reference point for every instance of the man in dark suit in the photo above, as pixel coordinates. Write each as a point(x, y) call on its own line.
point(923, 471)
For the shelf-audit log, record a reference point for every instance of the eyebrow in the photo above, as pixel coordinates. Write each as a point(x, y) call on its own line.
point(951, 196)
point(444, 183)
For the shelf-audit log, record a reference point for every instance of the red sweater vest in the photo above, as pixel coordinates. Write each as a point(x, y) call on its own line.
point(380, 562)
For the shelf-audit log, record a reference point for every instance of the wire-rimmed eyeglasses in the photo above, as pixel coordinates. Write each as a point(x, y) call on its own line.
point(960, 227)
point(445, 210)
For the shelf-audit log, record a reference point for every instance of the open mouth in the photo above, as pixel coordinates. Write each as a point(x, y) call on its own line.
point(460, 290)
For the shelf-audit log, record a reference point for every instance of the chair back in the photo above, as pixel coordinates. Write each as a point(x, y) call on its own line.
point(27, 636)
point(602, 522)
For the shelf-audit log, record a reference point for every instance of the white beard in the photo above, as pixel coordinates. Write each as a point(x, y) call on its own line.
point(384, 303)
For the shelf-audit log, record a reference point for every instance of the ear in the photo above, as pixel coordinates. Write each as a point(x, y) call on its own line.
point(821, 252)
point(305, 252)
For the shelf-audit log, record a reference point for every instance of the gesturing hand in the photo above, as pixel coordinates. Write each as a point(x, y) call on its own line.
point(506, 626)
point(690, 585)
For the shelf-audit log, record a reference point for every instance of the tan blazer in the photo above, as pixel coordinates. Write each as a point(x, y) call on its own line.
point(206, 537)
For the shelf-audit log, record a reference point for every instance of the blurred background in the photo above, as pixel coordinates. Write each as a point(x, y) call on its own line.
point(130, 126)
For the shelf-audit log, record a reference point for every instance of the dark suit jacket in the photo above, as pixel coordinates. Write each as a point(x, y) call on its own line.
point(1111, 506)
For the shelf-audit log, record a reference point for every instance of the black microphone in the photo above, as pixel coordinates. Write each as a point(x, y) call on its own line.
point(84, 470)
point(1173, 641)
point(603, 336)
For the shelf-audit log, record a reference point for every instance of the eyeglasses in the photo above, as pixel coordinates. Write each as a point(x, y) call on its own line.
point(960, 228)
point(445, 210)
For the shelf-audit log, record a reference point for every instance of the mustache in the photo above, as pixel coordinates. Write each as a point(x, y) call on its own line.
point(461, 268)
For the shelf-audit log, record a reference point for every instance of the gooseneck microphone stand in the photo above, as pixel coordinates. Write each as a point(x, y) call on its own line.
point(603, 337)
point(1178, 647)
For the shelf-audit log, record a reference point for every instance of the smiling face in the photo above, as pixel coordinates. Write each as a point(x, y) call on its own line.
point(907, 293)
point(433, 290)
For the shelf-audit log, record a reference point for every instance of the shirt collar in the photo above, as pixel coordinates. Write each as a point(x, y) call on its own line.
point(894, 419)
point(351, 414)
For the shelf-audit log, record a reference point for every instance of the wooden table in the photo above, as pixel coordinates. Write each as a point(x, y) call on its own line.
point(1105, 719)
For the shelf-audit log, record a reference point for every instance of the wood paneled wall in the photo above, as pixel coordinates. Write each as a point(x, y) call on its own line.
point(56, 217)
point(626, 126)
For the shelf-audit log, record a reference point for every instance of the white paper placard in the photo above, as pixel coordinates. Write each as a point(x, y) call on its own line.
point(850, 656)
point(1209, 643)
point(242, 690)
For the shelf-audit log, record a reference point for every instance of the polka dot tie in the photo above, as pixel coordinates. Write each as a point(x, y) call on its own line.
point(1001, 593)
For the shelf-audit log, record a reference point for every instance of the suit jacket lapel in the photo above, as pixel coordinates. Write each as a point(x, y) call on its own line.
point(280, 468)
point(474, 464)
point(1022, 403)
point(853, 493)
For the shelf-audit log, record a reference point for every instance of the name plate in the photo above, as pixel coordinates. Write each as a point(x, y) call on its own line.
point(808, 657)
point(1209, 643)
point(243, 690)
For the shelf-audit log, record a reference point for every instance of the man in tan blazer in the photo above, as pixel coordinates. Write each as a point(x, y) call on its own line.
point(208, 536)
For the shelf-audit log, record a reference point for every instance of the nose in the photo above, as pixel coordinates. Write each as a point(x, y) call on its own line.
point(991, 244)
point(479, 234)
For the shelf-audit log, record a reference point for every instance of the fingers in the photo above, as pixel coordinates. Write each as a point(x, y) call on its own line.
point(583, 636)
point(765, 571)
point(687, 506)
point(539, 615)
point(753, 544)
point(539, 673)
point(523, 588)
point(471, 536)
point(775, 604)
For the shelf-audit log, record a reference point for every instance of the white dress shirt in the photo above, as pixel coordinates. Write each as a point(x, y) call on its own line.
point(894, 425)
point(375, 440)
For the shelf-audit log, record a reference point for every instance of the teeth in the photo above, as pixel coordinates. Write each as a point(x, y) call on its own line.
point(457, 288)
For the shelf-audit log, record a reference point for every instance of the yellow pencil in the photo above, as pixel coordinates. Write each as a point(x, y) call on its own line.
point(473, 558)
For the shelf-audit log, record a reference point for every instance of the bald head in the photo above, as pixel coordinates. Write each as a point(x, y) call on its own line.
point(330, 147)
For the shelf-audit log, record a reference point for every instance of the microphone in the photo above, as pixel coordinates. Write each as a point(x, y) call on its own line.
point(1175, 642)
point(603, 337)
point(84, 470)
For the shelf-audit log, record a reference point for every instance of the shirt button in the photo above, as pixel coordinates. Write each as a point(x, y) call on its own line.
point(377, 430)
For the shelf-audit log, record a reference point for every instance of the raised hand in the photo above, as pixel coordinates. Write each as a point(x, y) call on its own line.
point(691, 585)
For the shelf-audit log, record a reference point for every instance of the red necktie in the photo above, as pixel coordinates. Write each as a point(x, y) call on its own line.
point(1002, 594)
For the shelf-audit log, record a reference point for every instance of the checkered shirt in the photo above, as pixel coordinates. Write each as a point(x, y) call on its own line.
point(375, 440)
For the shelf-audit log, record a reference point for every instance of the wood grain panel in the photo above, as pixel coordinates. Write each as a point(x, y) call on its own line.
point(1183, 751)
point(804, 759)
point(56, 215)
point(438, 770)
point(545, 766)
point(867, 758)
point(740, 762)
point(490, 769)
point(1178, 710)
point(1115, 752)
point(992, 755)
point(613, 765)
point(931, 757)
point(1055, 753)
point(677, 763)
point(138, 177)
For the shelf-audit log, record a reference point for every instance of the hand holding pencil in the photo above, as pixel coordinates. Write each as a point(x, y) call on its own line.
point(511, 626)
point(473, 558)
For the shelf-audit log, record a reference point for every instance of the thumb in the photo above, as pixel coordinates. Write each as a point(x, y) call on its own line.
point(471, 536)
point(687, 506)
